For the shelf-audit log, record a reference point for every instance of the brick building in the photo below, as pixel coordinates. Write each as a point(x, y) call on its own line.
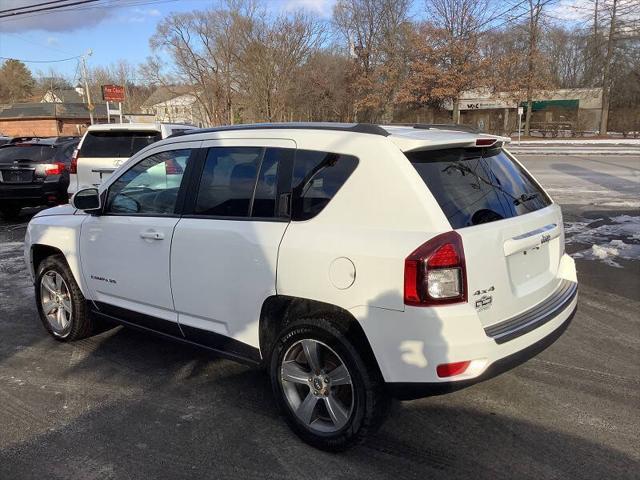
point(47, 119)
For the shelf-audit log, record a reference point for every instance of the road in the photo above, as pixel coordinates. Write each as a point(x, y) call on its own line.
point(126, 405)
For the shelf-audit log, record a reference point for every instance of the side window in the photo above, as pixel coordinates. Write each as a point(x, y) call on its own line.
point(149, 187)
point(265, 200)
point(317, 177)
point(228, 181)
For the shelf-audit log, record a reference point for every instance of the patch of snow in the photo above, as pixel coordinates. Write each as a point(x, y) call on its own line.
point(615, 249)
point(605, 246)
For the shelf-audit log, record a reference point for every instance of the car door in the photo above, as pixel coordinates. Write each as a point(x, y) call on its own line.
point(125, 251)
point(225, 247)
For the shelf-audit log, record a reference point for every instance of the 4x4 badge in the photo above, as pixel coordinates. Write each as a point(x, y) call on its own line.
point(481, 292)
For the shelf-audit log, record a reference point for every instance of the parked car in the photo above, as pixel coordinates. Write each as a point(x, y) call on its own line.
point(5, 140)
point(104, 147)
point(354, 262)
point(34, 173)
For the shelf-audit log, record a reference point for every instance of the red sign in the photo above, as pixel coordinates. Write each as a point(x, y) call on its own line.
point(113, 93)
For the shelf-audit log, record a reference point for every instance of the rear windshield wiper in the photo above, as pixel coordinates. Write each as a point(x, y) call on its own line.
point(525, 197)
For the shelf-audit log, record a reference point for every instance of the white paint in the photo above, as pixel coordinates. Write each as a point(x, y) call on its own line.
point(215, 274)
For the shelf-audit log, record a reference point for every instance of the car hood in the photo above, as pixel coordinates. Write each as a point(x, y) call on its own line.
point(59, 210)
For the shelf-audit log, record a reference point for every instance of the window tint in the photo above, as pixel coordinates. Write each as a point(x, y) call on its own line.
point(317, 177)
point(474, 185)
point(151, 186)
point(264, 200)
point(33, 153)
point(228, 181)
point(114, 143)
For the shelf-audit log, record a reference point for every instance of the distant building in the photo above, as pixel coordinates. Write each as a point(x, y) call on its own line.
point(63, 95)
point(44, 119)
point(574, 110)
point(175, 104)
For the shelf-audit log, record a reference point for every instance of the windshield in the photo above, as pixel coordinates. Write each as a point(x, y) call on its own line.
point(32, 153)
point(114, 143)
point(478, 185)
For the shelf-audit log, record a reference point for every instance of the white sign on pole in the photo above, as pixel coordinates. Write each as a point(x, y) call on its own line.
point(520, 112)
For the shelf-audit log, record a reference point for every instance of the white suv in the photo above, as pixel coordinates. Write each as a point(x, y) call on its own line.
point(355, 262)
point(104, 147)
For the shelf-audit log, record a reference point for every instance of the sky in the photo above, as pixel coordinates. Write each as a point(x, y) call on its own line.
point(120, 29)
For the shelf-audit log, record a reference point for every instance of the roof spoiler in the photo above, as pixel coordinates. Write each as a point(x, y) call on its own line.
point(438, 126)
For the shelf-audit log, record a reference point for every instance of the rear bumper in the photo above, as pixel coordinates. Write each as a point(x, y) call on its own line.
point(409, 345)
point(33, 194)
point(413, 390)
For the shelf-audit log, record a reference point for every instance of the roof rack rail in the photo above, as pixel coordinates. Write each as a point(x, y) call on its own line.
point(438, 126)
point(343, 127)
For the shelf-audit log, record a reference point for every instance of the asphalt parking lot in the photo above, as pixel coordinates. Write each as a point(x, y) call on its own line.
point(127, 405)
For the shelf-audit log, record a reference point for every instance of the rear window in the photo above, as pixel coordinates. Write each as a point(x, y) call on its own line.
point(477, 185)
point(116, 143)
point(32, 153)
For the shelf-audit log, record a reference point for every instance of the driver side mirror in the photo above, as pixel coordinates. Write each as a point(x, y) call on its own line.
point(87, 199)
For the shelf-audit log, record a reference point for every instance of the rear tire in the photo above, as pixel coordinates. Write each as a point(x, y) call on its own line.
point(325, 407)
point(62, 307)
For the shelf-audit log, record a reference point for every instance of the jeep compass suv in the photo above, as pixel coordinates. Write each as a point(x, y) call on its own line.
point(354, 262)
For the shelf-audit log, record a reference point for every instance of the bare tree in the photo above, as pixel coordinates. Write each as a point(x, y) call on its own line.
point(377, 33)
point(461, 23)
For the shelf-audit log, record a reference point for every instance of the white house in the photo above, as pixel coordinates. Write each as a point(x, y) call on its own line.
point(175, 104)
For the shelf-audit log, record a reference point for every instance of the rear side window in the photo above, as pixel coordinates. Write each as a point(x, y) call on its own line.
point(242, 182)
point(116, 143)
point(317, 177)
point(474, 185)
point(31, 153)
point(228, 180)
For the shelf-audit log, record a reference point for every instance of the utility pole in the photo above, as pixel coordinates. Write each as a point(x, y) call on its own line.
point(86, 83)
point(606, 71)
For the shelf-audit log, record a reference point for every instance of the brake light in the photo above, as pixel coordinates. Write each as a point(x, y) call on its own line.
point(435, 273)
point(73, 168)
point(54, 168)
point(485, 142)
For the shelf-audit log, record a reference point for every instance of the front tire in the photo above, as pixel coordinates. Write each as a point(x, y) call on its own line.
point(330, 397)
point(61, 305)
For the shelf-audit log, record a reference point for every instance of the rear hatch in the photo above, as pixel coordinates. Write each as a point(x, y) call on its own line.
point(511, 231)
point(28, 163)
point(102, 151)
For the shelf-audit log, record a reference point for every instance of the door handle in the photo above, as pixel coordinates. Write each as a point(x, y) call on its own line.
point(152, 235)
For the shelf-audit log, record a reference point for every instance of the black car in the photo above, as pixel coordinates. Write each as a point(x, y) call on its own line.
point(34, 173)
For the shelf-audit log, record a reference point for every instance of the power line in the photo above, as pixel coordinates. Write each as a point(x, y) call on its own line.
point(42, 61)
point(51, 7)
point(31, 6)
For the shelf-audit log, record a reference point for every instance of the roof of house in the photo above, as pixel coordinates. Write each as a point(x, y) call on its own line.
point(50, 110)
point(66, 95)
point(164, 94)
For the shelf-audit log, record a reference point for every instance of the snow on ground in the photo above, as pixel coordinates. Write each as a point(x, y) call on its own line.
point(579, 141)
point(612, 239)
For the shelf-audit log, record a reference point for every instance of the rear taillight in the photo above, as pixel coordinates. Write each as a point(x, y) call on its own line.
point(435, 273)
point(54, 168)
point(73, 168)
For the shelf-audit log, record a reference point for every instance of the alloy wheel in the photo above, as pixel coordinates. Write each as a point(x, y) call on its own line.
point(317, 385)
point(55, 300)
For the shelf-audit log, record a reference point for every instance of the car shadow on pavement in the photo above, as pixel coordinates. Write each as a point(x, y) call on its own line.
point(137, 406)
